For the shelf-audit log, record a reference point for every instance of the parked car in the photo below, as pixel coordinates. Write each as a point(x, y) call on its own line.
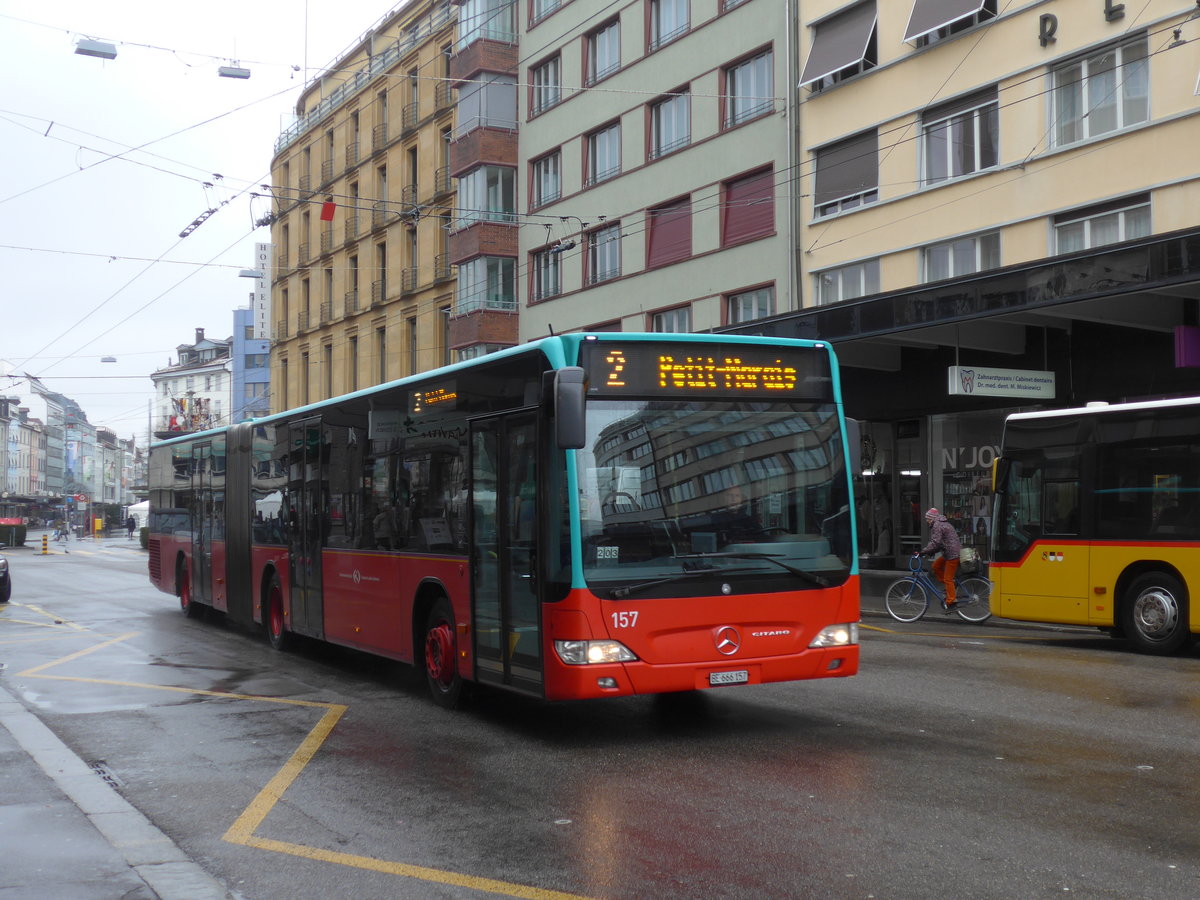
point(5, 578)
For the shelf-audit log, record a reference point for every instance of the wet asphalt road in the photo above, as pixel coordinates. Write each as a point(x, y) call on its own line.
point(966, 761)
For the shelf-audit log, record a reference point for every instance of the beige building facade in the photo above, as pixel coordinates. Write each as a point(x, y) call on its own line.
point(362, 285)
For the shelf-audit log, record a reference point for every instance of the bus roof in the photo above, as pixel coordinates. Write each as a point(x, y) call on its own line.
point(1100, 408)
point(555, 347)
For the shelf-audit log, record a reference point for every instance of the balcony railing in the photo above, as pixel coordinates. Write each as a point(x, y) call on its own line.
point(408, 195)
point(303, 253)
point(326, 171)
point(306, 190)
point(281, 262)
point(327, 241)
point(302, 321)
point(379, 136)
point(408, 280)
point(281, 330)
point(351, 228)
point(378, 292)
point(442, 182)
point(350, 303)
point(351, 155)
point(326, 311)
point(409, 116)
point(441, 267)
point(379, 215)
point(443, 95)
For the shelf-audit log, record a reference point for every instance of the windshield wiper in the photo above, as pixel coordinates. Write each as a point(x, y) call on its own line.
point(622, 592)
point(810, 577)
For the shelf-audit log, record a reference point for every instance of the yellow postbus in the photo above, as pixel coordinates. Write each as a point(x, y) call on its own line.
point(1097, 520)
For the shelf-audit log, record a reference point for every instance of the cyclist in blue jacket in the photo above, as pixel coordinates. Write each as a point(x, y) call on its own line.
point(943, 537)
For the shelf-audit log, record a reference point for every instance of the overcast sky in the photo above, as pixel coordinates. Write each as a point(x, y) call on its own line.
point(104, 163)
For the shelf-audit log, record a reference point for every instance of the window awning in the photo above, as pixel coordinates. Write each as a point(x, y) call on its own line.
point(839, 41)
point(930, 15)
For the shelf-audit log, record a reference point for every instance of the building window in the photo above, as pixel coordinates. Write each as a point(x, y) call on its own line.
point(936, 20)
point(848, 282)
point(255, 360)
point(381, 351)
point(673, 321)
point(546, 85)
point(847, 174)
point(749, 89)
point(668, 20)
point(490, 103)
point(491, 19)
point(603, 52)
point(748, 208)
point(604, 254)
point(669, 233)
point(546, 279)
point(352, 363)
point(543, 8)
point(487, 193)
point(486, 282)
point(745, 306)
point(844, 45)
point(961, 137)
point(1105, 223)
point(670, 124)
point(547, 179)
point(604, 154)
point(1102, 93)
point(963, 256)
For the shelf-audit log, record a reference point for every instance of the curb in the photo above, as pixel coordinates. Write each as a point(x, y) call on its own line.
point(152, 855)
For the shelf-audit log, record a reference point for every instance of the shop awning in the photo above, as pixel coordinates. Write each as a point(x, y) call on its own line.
point(839, 41)
point(929, 15)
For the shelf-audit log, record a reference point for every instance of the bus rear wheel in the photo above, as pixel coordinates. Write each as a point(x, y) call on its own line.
point(186, 605)
point(441, 656)
point(1154, 614)
point(277, 633)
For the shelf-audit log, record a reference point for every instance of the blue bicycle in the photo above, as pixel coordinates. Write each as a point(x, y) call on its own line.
point(907, 599)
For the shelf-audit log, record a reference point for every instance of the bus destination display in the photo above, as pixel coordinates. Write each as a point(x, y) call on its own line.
point(653, 369)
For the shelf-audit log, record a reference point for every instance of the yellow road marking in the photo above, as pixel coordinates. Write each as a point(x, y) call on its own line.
point(241, 832)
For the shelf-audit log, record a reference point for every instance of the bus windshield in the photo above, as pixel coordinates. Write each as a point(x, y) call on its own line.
point(686, 498)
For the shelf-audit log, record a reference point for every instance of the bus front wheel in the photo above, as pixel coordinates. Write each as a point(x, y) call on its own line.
point(189, 608)
point(1154, 614)
point(441, 656)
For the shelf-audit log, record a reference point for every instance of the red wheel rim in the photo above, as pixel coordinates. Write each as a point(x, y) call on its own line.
point(439, 654)
point(276, 614)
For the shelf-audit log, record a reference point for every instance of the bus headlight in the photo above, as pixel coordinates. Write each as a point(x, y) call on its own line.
point(583, 653)
point(836, 636)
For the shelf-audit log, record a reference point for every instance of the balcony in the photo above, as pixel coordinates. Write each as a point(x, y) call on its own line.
point(408, 195)
point(351, 155)
point(378, 293)
point(306, 189)
point(443, 183)
point(302, 321)
point(281, 262)
point(326, 311)
point(327, 171)
point(409, 116)
point(442, 268)
point(408, 280)
point(350, 303)
point(379, 136)
point(351, 228)
point(281, 330)
point(327, 241)
point(303, 253)
point(443, 96)
point(379, 215)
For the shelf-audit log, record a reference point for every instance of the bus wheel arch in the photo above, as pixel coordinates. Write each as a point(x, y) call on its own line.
point(1152, 610)
point(274, 614)
point(436, 644)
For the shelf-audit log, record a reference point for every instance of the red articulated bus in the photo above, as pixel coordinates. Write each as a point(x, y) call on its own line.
point(581, 516)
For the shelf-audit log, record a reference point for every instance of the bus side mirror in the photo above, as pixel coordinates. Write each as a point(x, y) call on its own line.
point(570, 430)
point(854, 446)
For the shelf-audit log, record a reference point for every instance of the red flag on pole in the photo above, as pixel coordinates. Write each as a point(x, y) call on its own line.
point(327, 209)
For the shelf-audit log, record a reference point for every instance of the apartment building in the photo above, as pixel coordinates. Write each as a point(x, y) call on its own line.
point(362, 286)
point(655, 152)
point(194, 392)
point(1000, 209)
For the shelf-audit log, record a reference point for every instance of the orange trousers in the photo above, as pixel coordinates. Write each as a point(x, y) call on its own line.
point(944, 570)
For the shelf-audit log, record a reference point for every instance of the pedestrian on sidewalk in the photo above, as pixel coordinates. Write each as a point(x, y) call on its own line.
point(130, 525)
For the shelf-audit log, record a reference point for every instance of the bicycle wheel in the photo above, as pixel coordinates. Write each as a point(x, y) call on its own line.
point(906, 600)
point(974, 599)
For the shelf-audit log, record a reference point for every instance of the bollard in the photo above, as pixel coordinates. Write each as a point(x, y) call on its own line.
point(45, 544)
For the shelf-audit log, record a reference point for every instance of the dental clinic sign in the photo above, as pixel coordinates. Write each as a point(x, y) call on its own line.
point(984, 381)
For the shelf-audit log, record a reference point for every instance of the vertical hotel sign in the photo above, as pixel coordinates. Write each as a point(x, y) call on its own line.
point(260, 300)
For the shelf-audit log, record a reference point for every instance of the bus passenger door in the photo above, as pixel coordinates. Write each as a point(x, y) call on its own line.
point(306, 471)
point(202, 523)
point(507, 622)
